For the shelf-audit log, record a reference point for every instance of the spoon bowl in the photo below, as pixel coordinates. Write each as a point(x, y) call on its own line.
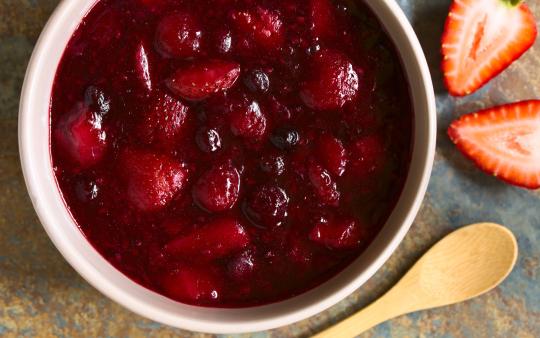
point(465, 264)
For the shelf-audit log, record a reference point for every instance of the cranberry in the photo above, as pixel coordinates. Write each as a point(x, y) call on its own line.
point(152, 180)
point(80, 133)
point(179, 35)
point(257, 81)
point(267, 206)
point(324, 184)
point(272, 164)
point(217, 189)
point(202, 79)
point(285, 138)
point(331, 82)
point(248, 121)
point(208, 139)
point(332, 153)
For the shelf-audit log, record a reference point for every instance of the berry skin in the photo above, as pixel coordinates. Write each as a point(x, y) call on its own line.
point(285, 138)
point(152, 180)
point(218, 189)
point(81, 134)
point(248, 121)
point(331, 82)
point(267, 206)
point(216, 239)
point(200, 80)
point(179, 35)
point(191, 283)
point(163, 121)
point(208, 140)
point(332, 154)
point(262, 26)
point(257, 81)
point(340, 234)
point(272, 164)
point(324, 185)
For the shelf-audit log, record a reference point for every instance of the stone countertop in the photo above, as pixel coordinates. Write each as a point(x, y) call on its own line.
point(41, 295)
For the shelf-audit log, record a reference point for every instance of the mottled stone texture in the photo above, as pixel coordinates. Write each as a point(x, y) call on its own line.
point(40, 295)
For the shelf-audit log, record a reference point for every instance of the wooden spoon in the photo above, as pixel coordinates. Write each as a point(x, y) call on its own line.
point(463, 265)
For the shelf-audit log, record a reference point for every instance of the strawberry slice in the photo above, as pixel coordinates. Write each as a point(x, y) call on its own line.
point(202, 79)
point(503, 141)
point(481, 39)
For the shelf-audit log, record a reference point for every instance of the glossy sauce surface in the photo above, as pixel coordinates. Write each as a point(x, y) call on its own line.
point(230, 153)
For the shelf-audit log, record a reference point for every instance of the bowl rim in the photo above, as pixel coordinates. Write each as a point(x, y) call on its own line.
point(205, 319)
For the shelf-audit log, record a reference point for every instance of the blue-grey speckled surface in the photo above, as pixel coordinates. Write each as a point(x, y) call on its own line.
point(40, 295)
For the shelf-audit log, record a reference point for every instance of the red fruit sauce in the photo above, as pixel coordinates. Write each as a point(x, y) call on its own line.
point(230, 153)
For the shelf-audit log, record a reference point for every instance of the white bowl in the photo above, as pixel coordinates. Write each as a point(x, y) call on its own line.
point(57, 221)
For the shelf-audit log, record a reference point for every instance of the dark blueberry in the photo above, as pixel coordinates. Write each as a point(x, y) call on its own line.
point(267, 206)
point(273, 164)
point(257, 81)
point(285, 138)
point(208, 140)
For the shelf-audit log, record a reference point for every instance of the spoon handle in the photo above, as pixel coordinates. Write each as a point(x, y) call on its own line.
point(381, 310)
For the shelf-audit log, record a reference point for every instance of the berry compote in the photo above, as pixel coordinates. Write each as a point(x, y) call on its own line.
point(230, 153)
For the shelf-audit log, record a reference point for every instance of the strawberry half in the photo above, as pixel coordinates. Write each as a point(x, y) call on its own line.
point(503, 141)
point(482, 38)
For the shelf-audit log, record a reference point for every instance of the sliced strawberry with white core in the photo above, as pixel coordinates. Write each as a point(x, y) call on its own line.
point(481, 39)
point(503, 141)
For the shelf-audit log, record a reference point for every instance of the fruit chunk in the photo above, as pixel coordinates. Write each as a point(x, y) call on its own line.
point(367, 155)
point(267, 206)
point(192, 284)
point(81, 135)
point(152, 180)
point(163, 120)
point(202, 79)
point(262, 25)
point(481, 39)
point(217, 189)
point(332, 153)
point(179, 35)
point(345, 233)
point(248, 121)
point(324, 184)
point(503, 141)
point(142, 66)
point(331, 81)
point(323, 21)
point(216, 239)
